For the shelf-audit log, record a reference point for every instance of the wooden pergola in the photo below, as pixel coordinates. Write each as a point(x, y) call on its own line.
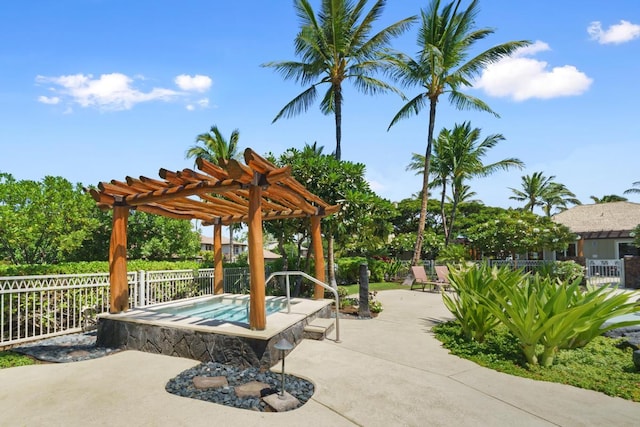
point(253, 192)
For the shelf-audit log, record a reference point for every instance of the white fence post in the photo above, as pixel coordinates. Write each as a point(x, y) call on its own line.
point(142, 288)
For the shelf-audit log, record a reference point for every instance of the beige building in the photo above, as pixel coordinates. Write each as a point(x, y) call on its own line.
point(603, 230)
point(206, 244)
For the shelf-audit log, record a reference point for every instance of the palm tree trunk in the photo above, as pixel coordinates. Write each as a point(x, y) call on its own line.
point(425, 184)
point(331, 261)
point(283, 251)
point(338, 116)
point(454, 207)
point(230, 242)
point(442, 211)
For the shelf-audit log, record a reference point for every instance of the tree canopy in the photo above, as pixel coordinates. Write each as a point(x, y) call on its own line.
point(42, 221)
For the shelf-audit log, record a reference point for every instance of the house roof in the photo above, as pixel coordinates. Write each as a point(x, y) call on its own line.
point(268, 255)
point(601, 220)
point(225, 241)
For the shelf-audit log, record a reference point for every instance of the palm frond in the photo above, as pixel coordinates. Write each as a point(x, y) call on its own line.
point(411, 108)
point(299, 104)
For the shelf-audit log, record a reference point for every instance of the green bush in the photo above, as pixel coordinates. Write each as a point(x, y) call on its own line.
point(349, 269)
point(548, 315)
point(544, 314)
point(85, 267)
point(469, 282)
point(565, 271)
point(453, 254)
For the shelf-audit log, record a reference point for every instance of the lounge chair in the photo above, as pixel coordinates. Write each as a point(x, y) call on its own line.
point(420, 279)
point(442, 271)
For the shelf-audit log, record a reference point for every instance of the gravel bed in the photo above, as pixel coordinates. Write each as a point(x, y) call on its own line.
point(182, 385)
point(66, 348)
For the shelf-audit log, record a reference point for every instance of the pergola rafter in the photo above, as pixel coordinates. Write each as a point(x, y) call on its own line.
point(251, 193)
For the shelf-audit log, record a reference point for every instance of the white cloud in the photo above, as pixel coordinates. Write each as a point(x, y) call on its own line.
point(618, 33)
point(49, 100)
point(521, 77)
point(108, 92)
point(197, 83)
point(201, 104)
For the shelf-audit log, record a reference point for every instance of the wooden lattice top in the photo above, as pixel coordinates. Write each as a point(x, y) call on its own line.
point(222, 193)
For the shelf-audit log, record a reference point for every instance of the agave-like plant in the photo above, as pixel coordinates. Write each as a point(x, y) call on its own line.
point(473, 283)
point(555, 315)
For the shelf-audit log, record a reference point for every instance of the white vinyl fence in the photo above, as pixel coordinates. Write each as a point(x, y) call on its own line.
point(605, 272)
point(34, 307)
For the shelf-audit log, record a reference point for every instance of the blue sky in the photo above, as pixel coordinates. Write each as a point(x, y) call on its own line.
point(96, 90)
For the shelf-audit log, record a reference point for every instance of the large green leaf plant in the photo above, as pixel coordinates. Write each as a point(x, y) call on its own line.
point(544, 315)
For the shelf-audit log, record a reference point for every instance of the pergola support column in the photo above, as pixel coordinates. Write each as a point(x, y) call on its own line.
point(119, 285)
point(316, 239)
point(257, 313)
point(218, 272)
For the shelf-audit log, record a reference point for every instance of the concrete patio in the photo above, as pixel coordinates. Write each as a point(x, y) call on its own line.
point(386, 371)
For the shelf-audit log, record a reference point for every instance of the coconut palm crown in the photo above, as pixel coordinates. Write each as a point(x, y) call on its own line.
point(334, 47)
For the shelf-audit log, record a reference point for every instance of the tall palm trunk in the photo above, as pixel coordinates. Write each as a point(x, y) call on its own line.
point(338, 116)
point(230, 242)
point(454, 207)
point(425, 183)
point(443, 213)
point(331, 261)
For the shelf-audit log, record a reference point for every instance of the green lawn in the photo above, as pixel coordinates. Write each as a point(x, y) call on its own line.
point(381, 286)
point(603, 365)
point(9, 359)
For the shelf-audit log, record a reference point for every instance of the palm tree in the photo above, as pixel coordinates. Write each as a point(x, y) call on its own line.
point(445, 38)
point(335, 46)
point(609, 198)
point(464, 157)
point(465, 195)
point(557, 195)
point(633, 190)
point(534, 187)
point(457, 157)
point(439, 171)
point(216, 149)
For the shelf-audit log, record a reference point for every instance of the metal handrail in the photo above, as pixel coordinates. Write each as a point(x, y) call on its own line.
point(286, 274)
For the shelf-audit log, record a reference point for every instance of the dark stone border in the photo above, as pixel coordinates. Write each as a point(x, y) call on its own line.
point(198, 345)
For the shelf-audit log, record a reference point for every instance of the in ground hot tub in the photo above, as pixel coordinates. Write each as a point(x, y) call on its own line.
point(211, 328)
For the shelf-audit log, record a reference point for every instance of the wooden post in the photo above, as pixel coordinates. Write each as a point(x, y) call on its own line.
point(119, 285)
point(580, 247)
point(257, 313)
point(218, 272)
point(316, 239)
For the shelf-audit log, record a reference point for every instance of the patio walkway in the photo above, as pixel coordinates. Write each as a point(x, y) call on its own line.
point(387, 371)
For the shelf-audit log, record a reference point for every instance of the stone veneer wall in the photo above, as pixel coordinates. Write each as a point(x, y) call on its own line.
point(203, 346)
point(632, 272)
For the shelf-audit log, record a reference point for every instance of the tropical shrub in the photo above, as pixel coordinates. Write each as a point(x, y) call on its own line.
point(469, 282)
point(453, 254)
point(565, 271)
point(544, 314)
point(547, 315)
point(83, 267)
point(349, 269)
